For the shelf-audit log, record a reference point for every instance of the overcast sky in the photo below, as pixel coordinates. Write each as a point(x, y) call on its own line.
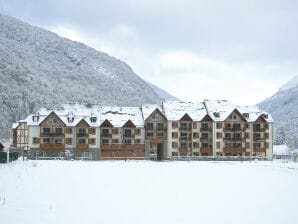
point(216, 49)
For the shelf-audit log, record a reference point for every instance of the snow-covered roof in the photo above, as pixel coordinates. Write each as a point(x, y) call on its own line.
point(148, 109)
point(219, 110)
point(175, 110)
point(281, 150)
point(254, 112)
point(118, 116)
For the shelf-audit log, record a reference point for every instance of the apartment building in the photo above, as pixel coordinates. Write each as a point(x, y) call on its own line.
point(213, 128)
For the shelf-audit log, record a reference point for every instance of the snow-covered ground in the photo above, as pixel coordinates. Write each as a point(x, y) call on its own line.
point(137, 192)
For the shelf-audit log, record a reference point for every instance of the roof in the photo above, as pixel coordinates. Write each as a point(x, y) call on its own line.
point(1, 146)
point(281, 150)
point(254, 113)
point(175, 110)
point(219, 110)
point(118, 116)
point(148, 109)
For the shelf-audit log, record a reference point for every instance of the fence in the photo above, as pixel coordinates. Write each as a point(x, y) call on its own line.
point(12, 156)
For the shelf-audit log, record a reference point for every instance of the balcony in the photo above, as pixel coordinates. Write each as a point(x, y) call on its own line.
point(185, 139)
point(81, 135)
point(205, 139)
point(106, 135)
point(128, 136)
point(206, 129)
point(234, 150)
point(185, 129)
point(259, 129)
point(161, 129)
point(52, 134)
point(259, 139)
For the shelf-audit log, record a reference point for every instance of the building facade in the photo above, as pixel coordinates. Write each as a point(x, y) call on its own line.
point(213, 128)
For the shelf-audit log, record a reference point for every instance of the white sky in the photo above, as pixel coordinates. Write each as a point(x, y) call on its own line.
point(217, 49)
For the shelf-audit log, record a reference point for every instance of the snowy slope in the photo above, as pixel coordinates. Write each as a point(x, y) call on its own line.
point(39, 68)
point(144, 192)
point(161, 93)
point(283, 106)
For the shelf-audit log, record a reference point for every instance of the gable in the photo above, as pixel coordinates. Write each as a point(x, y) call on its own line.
point(260, 120)
point(129, 124)
point(235, 116)
point(106, 124)
point(82, 123)
point(156, 115)
point(52, 119)
point(207, 118)
point(186, 117)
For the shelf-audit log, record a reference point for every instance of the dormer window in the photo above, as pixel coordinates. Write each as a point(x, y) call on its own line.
point(264, 116)
point(70, 119)
point(35, 118)
point(93, 119)
point(246, 115)
point(216, 115)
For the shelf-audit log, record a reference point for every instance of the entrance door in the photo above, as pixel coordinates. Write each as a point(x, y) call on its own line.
point(160, 153)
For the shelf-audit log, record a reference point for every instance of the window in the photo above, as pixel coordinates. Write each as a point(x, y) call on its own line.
point(46, 130)
point(59, 141)
point(205, 126)
point(247, 135)
point(228, 135)
point(137, 131)
point(82, 141)
point(218, 135)
point(218, 145)
point(92, 141)
point(174, 144)
point(35, 118)
point(216, 115)
point(218, 125)
point(92, 131)
point(149, 126)
point(184, 126)
point(105, 141)
point(46, 140)
point(127, 133)
point(82, 131)
point(247, 145)
point(183, 136)
point(115, 131)
point(258, 145)
point(93, 119)
point(86, 154)
point(150, 134)
point(160, 126)
point(58, 131)
point(246, 115)
point(237, 126)
point(127, 141)
point(115, 140)
point(105, 131)
point(174, 134)
point(227, 125)
point(69, 130)
point(174, 125)
point(205, 135)
point(258, 126)
point(195, 125)
point(205, 145)
point(160, 134)
point(195, 144)
point(228, 144)
point(68, 141)
point(70, 119)
point(196, 135)
point(35, 140)
point(137, 141)
point(183, 144)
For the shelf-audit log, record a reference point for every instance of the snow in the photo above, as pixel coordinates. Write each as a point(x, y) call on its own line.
point(144, 192)
point(148, 109)
point(118, 116)
point(175, 110)
point(290, 84)
point(281, 150)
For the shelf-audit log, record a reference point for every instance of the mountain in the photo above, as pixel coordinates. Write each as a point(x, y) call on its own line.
point(161, 93)
point(284, 108)
point(40, 69)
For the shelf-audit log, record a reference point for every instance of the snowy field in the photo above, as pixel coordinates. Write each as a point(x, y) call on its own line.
point(137, 192)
